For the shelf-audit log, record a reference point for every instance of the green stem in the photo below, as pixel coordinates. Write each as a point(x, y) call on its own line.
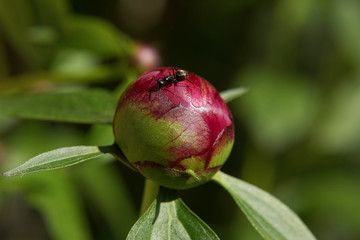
point(151, 190)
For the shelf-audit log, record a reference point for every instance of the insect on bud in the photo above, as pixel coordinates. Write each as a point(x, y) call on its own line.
point(173, 127)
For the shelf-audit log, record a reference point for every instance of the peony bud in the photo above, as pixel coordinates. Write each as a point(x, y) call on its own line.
point(174, 128)
point(146, 56)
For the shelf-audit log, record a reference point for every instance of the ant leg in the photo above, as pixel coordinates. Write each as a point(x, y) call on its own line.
point(192, 83)
point(172, 73)
point(189, 81)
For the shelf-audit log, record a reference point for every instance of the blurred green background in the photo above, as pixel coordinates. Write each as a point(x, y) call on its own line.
point(297, 129)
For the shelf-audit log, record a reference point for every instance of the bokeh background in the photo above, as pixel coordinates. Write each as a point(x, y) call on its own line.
point(297, 128)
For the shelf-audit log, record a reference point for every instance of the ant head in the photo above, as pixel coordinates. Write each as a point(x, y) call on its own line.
point(181, 74)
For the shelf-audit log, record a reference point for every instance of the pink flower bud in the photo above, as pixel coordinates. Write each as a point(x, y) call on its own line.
point(146, 56)
point(173, 127)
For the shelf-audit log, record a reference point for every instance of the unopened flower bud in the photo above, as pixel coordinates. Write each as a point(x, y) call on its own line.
point(146, 56)
point(173, 127)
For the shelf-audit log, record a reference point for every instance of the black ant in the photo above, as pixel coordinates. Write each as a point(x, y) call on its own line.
point(172, 78)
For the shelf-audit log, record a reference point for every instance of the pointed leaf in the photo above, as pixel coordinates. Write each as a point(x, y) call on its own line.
point(271, 218)
point(86, 106)
point(59, 158)
point(233, 93)
point(169, 218)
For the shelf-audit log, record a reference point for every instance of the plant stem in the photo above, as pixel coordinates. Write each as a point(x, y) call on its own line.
point(151, 190)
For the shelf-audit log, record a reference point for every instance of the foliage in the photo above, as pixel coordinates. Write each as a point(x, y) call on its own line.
point(169, 218)
point(297, 126)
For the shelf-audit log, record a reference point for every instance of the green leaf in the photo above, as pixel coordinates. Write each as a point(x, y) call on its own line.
point(233, 93)
point(271, 218)
point(87, 106)
point(59, 158)
point(13, 84)
point(169, 218)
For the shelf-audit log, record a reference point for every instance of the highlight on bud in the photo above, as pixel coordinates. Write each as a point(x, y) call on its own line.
point(173, 127)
